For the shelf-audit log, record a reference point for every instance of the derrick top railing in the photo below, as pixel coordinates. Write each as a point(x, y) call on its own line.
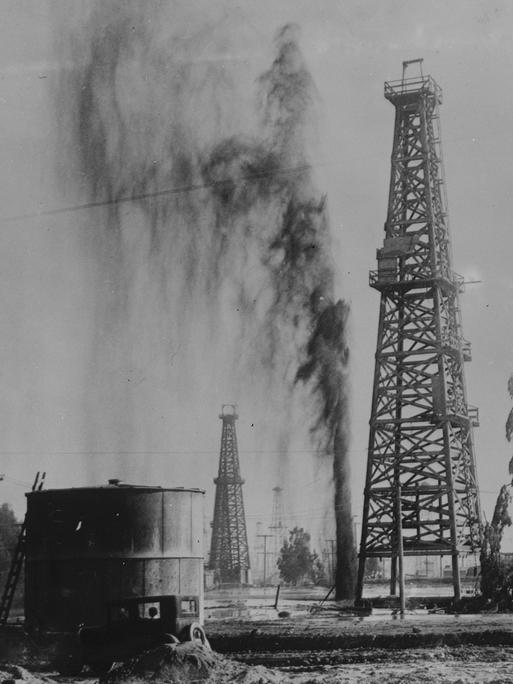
point(412, 86)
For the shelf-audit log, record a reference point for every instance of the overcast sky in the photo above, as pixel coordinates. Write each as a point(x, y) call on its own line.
point(351, 47)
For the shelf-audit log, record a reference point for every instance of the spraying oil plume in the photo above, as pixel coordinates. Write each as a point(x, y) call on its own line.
point(234, 275)
point(326, 369)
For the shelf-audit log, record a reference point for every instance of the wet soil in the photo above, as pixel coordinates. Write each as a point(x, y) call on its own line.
point(462, 665)
point(336, 648)
point(332, 630)
point(328, 647)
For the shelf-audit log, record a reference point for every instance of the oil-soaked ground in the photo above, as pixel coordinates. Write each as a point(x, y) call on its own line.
point(302, 642)
point(325, 644)
point(409, 666)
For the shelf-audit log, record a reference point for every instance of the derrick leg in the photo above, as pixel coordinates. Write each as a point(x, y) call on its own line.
point(359, 581)
point(393, 576)
point(456, 576)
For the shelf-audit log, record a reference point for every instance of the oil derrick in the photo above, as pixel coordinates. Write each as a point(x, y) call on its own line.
point(421, 496)
point(277, 527)
point(229, 555)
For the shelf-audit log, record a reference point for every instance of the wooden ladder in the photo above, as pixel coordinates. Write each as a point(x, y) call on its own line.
point(17, 560)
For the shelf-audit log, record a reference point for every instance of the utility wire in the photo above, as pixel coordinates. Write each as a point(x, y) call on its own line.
point(195, 186)
point(192, 187)
point(192, 452)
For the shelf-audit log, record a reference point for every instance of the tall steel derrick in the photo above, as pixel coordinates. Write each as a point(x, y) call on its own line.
point(229, 553)
point(421, 496)
point(277, 528)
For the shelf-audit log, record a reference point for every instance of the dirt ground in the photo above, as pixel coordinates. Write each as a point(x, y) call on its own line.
point(340, 629)
point(411, 666)
point(330, 647)
point(382, 648)
point(423, 665)
point(441, 665)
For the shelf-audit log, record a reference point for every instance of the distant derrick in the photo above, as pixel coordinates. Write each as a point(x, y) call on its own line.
point(277, 527)
point(421, 495)
point(229, 553)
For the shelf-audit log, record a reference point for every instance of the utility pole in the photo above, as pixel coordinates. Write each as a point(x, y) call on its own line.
point(265, 537)
point(421, 495)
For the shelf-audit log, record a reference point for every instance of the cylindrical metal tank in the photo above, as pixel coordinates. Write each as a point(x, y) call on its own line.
point(90, 545)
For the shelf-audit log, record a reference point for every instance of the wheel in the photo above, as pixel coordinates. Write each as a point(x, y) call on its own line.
point(100, 666)
point(170, 639)
point(197, 633)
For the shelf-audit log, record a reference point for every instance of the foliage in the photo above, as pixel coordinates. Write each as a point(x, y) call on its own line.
point(496, 577)
point(318, 574)
point(9, 530)
point(372, 567)
point(296, 562)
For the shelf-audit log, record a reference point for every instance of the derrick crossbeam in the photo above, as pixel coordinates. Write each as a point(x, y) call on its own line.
point(421, 495)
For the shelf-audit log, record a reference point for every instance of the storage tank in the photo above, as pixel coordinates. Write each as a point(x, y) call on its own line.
point(90, 545)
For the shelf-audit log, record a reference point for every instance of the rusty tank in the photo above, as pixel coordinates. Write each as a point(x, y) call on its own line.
point(88, 546)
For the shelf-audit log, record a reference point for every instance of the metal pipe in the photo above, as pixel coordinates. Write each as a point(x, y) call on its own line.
point(400, 551)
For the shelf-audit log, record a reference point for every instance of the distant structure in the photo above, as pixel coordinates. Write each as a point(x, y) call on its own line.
point(229, 554)
point(257, 563)
point(421, 496)
point(277, 526)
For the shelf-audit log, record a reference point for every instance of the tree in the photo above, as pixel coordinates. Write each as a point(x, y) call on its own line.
point(372, 567)
point(318, 574)
point(296, 561)
point(9, 530)
point(496, 578)
point(9, 533)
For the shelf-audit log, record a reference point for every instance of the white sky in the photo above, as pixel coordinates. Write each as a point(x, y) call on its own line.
point(351, 47)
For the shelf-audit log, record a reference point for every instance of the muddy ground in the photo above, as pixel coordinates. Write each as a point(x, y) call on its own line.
point(335, 647)
point(410, 666)
point(306, 626)
point(293, 645)
point(329, 648)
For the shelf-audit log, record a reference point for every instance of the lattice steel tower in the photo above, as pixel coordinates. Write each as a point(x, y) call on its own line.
point(277, 527)
point(421, 496)
point(229, 554)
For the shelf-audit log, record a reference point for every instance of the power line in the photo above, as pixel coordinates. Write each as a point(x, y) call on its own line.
point(192, 187)
point(192, 452)
point(195, 186)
